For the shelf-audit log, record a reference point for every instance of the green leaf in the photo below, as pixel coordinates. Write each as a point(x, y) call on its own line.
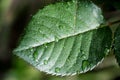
point(63, 39)
point(117, 45)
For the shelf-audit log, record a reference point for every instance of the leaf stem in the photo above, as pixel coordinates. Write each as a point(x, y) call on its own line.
point(113, 18)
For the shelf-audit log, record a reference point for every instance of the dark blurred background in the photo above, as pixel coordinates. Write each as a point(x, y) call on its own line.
point(14, 17)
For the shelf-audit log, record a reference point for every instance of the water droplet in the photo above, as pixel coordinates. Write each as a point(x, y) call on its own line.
point(85, 65)
point(56, 39)
point(95, 13)
point(106, 51)
point(33, 16)
point(60, 27)
point(74, 1)
point(68, 60)
point(82, 52)
point(78, 72)
point(86, 6)
point(83, 56)
point(31, 49)
point(57, 69)
point(116, 38)
point(29, 55)
point(45, 45)
point(35, 55)
point(38, 22)
point(45, 62)
point(68, 3)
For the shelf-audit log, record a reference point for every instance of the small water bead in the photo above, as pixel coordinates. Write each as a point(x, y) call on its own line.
point(82, 52)
point(56, 39)
point(60, 27)
point(45, 45)
point(74, 1)
point(107, 51)
point(69, 3)
point(86, 6)
point(57, 24)
point(31, 49)
point(95, 13)
point(45, 62)
point(78, 72)
point(68, 60)
point(85, 65)
point(35, 55)
point(83, 56)
point(33, 16)
point(30, 56)
point(40, 31)
point(57, 69)
point(38, 22)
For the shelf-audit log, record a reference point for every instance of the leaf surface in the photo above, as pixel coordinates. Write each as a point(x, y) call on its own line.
point(63, 39)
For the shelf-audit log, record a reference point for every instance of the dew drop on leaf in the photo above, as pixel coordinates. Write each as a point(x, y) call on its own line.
point(74, 1)
point(57, 69)
point(82, 52)
point(35, 55)
point(83, 56)
point(68, 3)
point(95, 14)
point(38, 22)
point(31, 49)
point(29, 56)
point(45, 45)
point(106, 51)
point(45, 62)
point(61, 27)
point(68, 60)
point(86, 6)
point(85, 65)
point(78, 72)
point(56, 39)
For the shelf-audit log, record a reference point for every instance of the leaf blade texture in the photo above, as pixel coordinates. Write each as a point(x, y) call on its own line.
point(63, 39)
